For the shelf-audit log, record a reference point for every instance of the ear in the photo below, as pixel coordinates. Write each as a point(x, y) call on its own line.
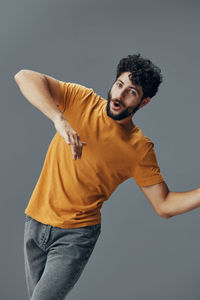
point(145, 101)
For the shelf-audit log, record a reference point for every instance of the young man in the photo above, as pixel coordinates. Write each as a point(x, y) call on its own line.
point(96, 147)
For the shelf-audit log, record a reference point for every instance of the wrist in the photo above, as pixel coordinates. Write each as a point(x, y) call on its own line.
point(58, 115)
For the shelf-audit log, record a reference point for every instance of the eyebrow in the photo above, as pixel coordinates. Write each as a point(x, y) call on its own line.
point(132, 87)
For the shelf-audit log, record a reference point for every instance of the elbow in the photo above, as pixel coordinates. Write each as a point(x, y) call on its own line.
point(162, 213)
point(19, 75)
point(165, 216)
point(22, 74)
point(27, 75)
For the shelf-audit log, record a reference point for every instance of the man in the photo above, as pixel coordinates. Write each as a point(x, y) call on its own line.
point(96, 147)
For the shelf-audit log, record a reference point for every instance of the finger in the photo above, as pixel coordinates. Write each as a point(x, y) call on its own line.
point(76, 150)
point(76, 139)
point(84, 143)
point(79, 149)
point(77, 145)
point(72, 139)
point(74, 154)
point(68, 139)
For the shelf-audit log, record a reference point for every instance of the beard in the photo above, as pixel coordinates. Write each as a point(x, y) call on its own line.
point(122, 115)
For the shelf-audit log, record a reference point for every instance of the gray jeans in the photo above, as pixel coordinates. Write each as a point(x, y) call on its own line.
point(55, 257)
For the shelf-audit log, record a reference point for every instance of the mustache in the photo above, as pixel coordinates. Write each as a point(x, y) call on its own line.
point(118, 101)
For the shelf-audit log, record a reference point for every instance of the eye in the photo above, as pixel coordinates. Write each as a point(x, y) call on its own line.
point(118, 84)
point(132, 92)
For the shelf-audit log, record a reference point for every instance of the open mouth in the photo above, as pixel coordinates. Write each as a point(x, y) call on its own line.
point(116, 105)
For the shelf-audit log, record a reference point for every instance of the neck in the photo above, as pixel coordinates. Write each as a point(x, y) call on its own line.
point(127, 123)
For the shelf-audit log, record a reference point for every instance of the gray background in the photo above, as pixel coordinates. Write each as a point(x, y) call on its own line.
point(139, 255)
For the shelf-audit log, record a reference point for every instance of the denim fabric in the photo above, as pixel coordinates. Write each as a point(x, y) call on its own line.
point(55, 257)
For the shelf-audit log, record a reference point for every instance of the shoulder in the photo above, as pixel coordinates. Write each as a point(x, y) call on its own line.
point(72, 87)
point(141, 141)
point(142, 145)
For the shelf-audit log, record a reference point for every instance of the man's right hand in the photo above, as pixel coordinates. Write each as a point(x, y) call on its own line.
point(69, 135)
point(44, 93)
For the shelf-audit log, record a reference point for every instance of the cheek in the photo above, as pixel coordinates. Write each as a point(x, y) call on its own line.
point(133, 102)
point(112, 95)
point(129, 103)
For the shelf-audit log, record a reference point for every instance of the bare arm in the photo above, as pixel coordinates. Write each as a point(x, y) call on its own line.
point(43, 92)
point(168, 204)
point(35, 88)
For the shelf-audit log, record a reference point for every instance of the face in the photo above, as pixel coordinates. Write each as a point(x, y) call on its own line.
point(124, 98)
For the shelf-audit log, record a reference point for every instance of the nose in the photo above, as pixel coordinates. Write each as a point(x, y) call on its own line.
point(120, 94)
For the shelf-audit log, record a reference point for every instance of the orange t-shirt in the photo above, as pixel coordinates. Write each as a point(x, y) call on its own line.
point(69, 193)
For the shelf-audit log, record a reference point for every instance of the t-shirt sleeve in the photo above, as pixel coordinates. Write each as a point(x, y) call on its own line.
point(73, 95)
point(147, 171)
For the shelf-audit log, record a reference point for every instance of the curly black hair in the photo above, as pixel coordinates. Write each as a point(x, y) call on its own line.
point(143, 73)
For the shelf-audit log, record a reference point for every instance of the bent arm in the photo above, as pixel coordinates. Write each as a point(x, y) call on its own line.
point(180, 202)
point(168, 204)
point(40, 90)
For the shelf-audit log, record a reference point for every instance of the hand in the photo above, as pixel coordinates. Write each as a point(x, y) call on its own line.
point(70, 136)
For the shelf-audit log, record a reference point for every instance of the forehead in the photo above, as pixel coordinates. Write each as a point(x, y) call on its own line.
point(125, 78)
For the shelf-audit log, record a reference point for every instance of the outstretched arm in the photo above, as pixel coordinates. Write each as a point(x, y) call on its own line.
point(168, 204)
